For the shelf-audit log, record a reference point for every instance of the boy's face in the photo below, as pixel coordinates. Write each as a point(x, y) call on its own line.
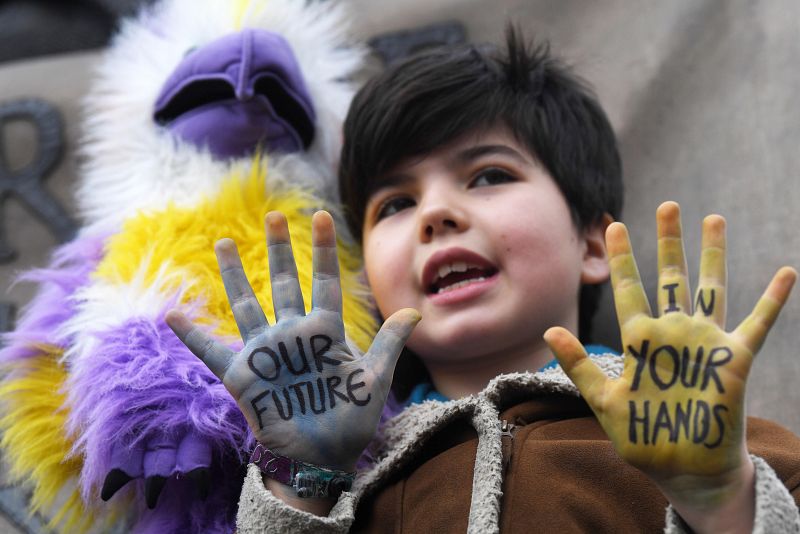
point(478, 238)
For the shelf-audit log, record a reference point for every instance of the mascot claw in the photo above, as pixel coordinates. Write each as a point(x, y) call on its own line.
point(156, 460)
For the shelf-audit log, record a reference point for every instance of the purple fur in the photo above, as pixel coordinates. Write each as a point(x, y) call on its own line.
point(179, 510)
point(53, 304)
point(139, 382)
point(370, 455)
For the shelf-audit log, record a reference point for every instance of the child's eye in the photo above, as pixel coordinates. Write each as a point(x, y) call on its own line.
point(492, 177)
point(393, 205)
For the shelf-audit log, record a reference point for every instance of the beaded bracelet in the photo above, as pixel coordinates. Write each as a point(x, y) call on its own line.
point(308, 480)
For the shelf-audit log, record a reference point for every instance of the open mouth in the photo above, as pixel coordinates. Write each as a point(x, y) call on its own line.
point(455, 268)
point(457, 275)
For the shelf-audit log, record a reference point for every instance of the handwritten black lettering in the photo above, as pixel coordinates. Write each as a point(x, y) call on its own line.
point(670, 350)
point(298, 393)
point(666, 364)
point(682, 418)
point(662, 421)
point(708, 308)
point(673, 302)
point(700, 423)
point(685, 365)
point(304, 368)
point(333, 393)
point(275, 362)
point(318, 395)
point(644, 420)
point(289, 412)
point(311, 401)
point(358, 385)
point(266, 363)
point(258, 410)
point(710, 370)
point(319, 351)
point(641, 360)
point(691, 421)
point(720, 423)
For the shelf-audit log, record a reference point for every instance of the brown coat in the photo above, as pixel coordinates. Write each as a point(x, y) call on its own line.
point(554, 471)
point(561, 475)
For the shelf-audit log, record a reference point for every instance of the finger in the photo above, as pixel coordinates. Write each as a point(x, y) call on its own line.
point(160, 455)
point(710, 300)
point(287, 299)
point(673, 282)
point(327, 290)
point(247, 312)
point(753, 330)
point(215, 355)
point(588, 378)
point(194, 451)
point(388, 343)
point(630, 299)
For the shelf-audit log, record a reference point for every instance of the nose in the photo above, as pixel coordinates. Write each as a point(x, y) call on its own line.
point(441, 214)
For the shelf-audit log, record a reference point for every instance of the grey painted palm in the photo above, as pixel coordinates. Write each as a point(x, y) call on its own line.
point(304, 393)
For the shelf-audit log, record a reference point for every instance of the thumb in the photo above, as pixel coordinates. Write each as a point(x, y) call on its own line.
point(389, 342)
point(587, 377)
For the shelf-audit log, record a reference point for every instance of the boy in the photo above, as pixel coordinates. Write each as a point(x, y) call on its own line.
point(482, 188)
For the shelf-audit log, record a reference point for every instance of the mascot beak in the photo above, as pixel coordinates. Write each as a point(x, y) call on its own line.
point(237, 94)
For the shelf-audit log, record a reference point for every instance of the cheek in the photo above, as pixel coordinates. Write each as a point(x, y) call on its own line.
point(388, 268)
point(540, 243)
point(537, 242)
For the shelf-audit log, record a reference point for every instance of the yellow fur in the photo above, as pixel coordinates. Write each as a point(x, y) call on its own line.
point(174, 248)
point(244, 8)
point(239, 10)
point(35, 442)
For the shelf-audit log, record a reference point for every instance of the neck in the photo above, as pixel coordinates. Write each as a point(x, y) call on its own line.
point(456, 379)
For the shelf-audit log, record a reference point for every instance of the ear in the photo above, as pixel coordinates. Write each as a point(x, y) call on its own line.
point(595, 260)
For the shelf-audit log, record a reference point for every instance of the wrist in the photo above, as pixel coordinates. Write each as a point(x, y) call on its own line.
point(320, 506)
point(312, 453)
point(724, 504)
point(305, 480)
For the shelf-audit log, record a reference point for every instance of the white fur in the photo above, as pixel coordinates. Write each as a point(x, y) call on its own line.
point(130, 164)
point(105, 305)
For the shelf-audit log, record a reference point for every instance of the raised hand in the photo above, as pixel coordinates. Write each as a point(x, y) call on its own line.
point(304, 394)
point(677, 411)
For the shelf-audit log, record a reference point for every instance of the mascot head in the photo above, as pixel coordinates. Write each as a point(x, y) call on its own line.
point(194, 89)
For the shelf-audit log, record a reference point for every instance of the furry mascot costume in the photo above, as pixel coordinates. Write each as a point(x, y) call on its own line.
point(205, 114)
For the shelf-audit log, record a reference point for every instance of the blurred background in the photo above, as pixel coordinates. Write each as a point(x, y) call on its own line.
point(702, 94)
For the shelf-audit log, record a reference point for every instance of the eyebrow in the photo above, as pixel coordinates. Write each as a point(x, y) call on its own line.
point(463, 157)
point(472, 153)
point(390, 180)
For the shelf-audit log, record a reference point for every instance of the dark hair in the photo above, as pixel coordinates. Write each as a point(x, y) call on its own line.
point(438, 95)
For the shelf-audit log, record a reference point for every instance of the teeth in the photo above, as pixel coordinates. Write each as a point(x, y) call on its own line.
point(460, 284)
point(455, 267)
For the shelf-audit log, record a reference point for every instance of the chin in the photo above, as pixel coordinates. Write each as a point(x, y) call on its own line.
point(460, 341)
